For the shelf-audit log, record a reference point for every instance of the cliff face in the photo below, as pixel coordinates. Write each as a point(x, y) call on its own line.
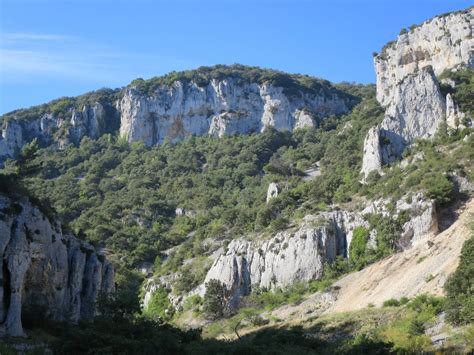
point(408, 88)
point(288, 257)
point(91, 121)
point(229, 105)
point(300, 254)
point(222, 107)
point(45, 269)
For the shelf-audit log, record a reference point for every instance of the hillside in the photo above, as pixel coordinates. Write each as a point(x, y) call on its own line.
point(216, 101)
point(233, 208)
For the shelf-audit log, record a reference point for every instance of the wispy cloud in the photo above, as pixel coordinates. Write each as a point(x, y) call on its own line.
point(27, 57)
point(25, 36)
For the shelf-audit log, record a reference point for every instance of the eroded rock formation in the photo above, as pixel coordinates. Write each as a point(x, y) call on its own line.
point(225, 106)
point(90, 121)
point(298, 254)
point(45, 269)
point(408, 88)
point(222, 107)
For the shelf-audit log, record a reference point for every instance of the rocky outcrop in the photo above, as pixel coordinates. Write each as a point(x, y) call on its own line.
point(408, 88)
point(290, 256)
point(421, 214)
point(226, 104)
point(454, 116)
point(45, 269)
point(90, 121)
point(272, 191)
point(222, 107)
point(300, 253)
point(443, 42)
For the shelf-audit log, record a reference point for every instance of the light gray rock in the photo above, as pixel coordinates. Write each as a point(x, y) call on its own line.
point(372, 158)
point(45, 269)
point(422, 222)
point(290, 256)
point(222, 107)
point(49, 129)
point(11, 140)
point(417, 111)
point(408, 89)
point(454, 117)
point(443, 42)
point(272, 191)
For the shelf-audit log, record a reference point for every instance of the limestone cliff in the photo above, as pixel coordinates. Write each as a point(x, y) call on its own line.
point(53, 128)
point(231, 100)
point(299, 254)
point(227, 106)
point(45, 268)
point(408, 88)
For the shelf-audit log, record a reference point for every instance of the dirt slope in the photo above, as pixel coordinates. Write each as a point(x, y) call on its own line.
point(423, 268)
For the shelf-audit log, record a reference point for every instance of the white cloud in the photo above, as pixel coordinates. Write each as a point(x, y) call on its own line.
point(27, 57)
point(20, 36)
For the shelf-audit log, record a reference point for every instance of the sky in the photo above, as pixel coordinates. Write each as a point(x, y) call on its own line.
point(54, 48)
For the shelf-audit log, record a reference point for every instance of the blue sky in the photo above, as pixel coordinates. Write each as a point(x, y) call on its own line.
point(59, 48)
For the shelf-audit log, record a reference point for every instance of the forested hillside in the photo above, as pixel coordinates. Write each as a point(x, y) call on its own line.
point(234, 209)
point(124, 196)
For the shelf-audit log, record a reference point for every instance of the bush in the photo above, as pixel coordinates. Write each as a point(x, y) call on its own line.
point(427, 303)
point(357, 249)
point(391, 303)
point(459, 288)
point(439, 188)
point(159, 306)
point(215, 300)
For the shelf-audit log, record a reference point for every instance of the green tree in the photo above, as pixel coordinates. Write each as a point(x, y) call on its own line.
point(439, 188)
point(357, 249)
point(159, 306)
point(215, 300)
point(460, 288)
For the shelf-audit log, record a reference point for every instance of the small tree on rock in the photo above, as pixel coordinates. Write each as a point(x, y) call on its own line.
point(215, 299)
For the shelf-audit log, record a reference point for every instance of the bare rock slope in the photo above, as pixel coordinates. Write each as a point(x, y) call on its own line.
point(422, 268)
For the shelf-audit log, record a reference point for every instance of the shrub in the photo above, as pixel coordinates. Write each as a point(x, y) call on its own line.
point(439, 188)
point(459, 288)
point(426, 302)
point(391, 303)
point(160, 306)
point(357, 249)
point(215, 299)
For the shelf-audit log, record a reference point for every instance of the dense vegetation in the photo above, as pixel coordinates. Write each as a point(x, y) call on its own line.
point(460, 287)
point(397, 328)
point(292, 84)
point(63, 106)
point(124, 197)
point(174, 204)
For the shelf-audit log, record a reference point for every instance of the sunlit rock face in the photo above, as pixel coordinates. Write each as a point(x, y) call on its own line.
point(90, 121)
point(290, 256)
point(408, 88)
point(44, 269)
point(222, 107)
